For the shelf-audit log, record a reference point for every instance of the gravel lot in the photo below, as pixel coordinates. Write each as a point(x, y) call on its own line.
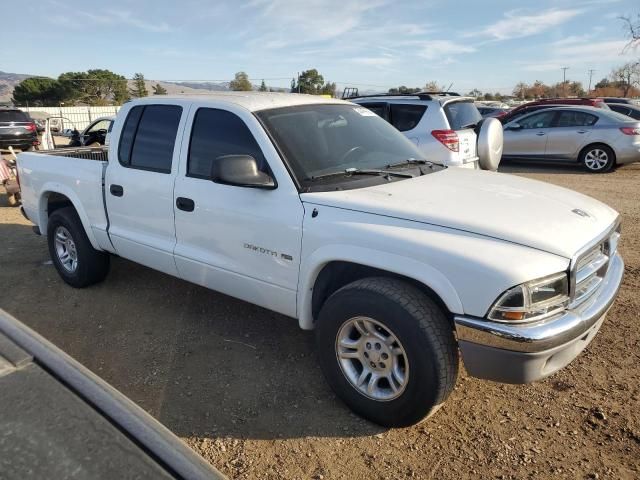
point(241, 386)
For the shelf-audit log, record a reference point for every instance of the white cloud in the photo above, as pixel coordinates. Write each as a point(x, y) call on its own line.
point(516, 25)
point(434, 49)
point(108, 18)
point(580, 54)
point(382, 61)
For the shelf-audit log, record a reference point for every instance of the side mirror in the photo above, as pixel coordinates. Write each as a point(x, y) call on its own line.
point(514, 126)
point(241, 171)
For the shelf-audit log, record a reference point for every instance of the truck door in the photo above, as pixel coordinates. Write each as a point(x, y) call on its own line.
point(139, 185)
point(241, 241)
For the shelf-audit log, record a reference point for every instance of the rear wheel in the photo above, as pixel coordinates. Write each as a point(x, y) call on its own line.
point(597, 158)
point(77, 262)
point(387, 350)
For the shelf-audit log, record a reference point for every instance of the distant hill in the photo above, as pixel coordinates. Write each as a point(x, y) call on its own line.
point(8, 81)
point(215, 87)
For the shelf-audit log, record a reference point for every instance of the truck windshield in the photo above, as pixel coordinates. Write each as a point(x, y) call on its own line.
point(318, 140)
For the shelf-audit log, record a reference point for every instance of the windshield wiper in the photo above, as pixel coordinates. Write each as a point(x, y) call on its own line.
point(410, 161)
point(357, 171)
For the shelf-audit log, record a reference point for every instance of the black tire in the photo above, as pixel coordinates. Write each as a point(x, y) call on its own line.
point(92, 265)
point(590, 154)
point(423, 331)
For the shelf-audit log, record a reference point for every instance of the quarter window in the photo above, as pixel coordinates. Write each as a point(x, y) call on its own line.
point(148, 137)
point(217, 133)
point(406, 117)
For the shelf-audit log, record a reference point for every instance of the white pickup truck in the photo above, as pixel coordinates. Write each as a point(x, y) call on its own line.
point(322, 211)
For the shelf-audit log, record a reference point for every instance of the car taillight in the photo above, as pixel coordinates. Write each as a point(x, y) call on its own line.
point(448, 138)
point(31, 127)
point(630, 130)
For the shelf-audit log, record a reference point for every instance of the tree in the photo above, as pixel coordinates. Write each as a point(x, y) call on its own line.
point(139, 88)
point(310, 81)
point(488, 96)
point(475, 93)
point(263, 87)
point(329, 88)
point(38, 91)
point(604, 83)
point(403, 89)
point(433, 87)
point(159, 89)
point(520, 90)
point(241, 83)
point(94, 87)
point(632, 28)
point(627, 76)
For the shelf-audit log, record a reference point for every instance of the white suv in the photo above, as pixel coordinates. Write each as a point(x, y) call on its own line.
point(443, 125)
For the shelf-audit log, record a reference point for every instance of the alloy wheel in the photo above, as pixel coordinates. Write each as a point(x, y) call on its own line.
point(596, 159)
point(372, 358)
point(66, 249)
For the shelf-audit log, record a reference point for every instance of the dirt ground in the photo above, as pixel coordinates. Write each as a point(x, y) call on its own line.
point(241, 385)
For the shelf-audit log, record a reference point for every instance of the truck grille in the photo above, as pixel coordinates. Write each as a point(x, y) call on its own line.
point(591, 268)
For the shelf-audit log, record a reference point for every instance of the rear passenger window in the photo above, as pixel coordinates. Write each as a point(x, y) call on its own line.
point(148, 137)
point(575, 119)
point(379, 109)
point(406, 117)
point(217, 133)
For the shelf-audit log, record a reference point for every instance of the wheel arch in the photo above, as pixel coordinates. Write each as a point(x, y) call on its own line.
point(596, 143)
point(55, 198)
point(325, 276)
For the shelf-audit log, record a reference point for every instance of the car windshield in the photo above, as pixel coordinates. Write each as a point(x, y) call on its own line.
point(324, 139)
point(13, 116)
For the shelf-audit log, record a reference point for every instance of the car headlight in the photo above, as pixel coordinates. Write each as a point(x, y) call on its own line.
point(532, 300)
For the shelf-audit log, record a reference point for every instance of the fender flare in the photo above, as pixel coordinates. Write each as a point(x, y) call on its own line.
point(43, 218)
point(313, 264)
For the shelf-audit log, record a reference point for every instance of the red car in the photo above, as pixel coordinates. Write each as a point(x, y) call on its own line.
point(529, 107)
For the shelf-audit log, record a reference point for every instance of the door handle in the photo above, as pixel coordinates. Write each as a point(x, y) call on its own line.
point(582, 131)
point(185, 204)
point(116, 190)
point(540, 134)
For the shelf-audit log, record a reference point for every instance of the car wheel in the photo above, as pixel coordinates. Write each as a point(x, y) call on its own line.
point(387, 350)
point(598, 158)
point(77, 262)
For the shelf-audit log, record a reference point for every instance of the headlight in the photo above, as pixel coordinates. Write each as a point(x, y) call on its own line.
point(532, 300)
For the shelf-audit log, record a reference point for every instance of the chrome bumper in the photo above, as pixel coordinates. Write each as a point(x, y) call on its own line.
point(485, 344)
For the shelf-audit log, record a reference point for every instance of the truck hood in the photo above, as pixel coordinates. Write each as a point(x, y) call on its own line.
point(498, 205)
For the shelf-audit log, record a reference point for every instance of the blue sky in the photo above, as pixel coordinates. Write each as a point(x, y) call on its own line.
point(490, 45)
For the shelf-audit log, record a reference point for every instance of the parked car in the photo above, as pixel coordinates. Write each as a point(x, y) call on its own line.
point(17, 130)
point(628, 101)
point(320, 210)
point(598, 139)
point(94, 135)
point(528, 107)
point(492, 111)
point(444, 126)
point(627, 109)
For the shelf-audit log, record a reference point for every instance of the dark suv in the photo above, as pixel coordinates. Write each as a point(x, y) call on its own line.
point(17, 129)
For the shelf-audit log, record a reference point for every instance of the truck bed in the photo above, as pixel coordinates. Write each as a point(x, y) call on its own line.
point(77, 175)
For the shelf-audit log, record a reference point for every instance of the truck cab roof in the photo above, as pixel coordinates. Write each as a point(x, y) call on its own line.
point(252, 101)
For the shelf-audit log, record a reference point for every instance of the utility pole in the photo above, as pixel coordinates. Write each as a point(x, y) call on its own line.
point(564, 80)
point(591, 71)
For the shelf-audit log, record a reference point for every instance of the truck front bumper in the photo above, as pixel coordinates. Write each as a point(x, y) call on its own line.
point(512, 353)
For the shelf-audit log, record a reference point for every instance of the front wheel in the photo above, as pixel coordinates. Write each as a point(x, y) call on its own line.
point(387, 350)
point(598, 158)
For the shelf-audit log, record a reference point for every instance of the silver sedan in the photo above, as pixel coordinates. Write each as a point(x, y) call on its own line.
point(598, 139)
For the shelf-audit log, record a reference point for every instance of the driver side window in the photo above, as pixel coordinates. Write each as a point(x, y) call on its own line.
point(216, 133)
point(539, 120)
